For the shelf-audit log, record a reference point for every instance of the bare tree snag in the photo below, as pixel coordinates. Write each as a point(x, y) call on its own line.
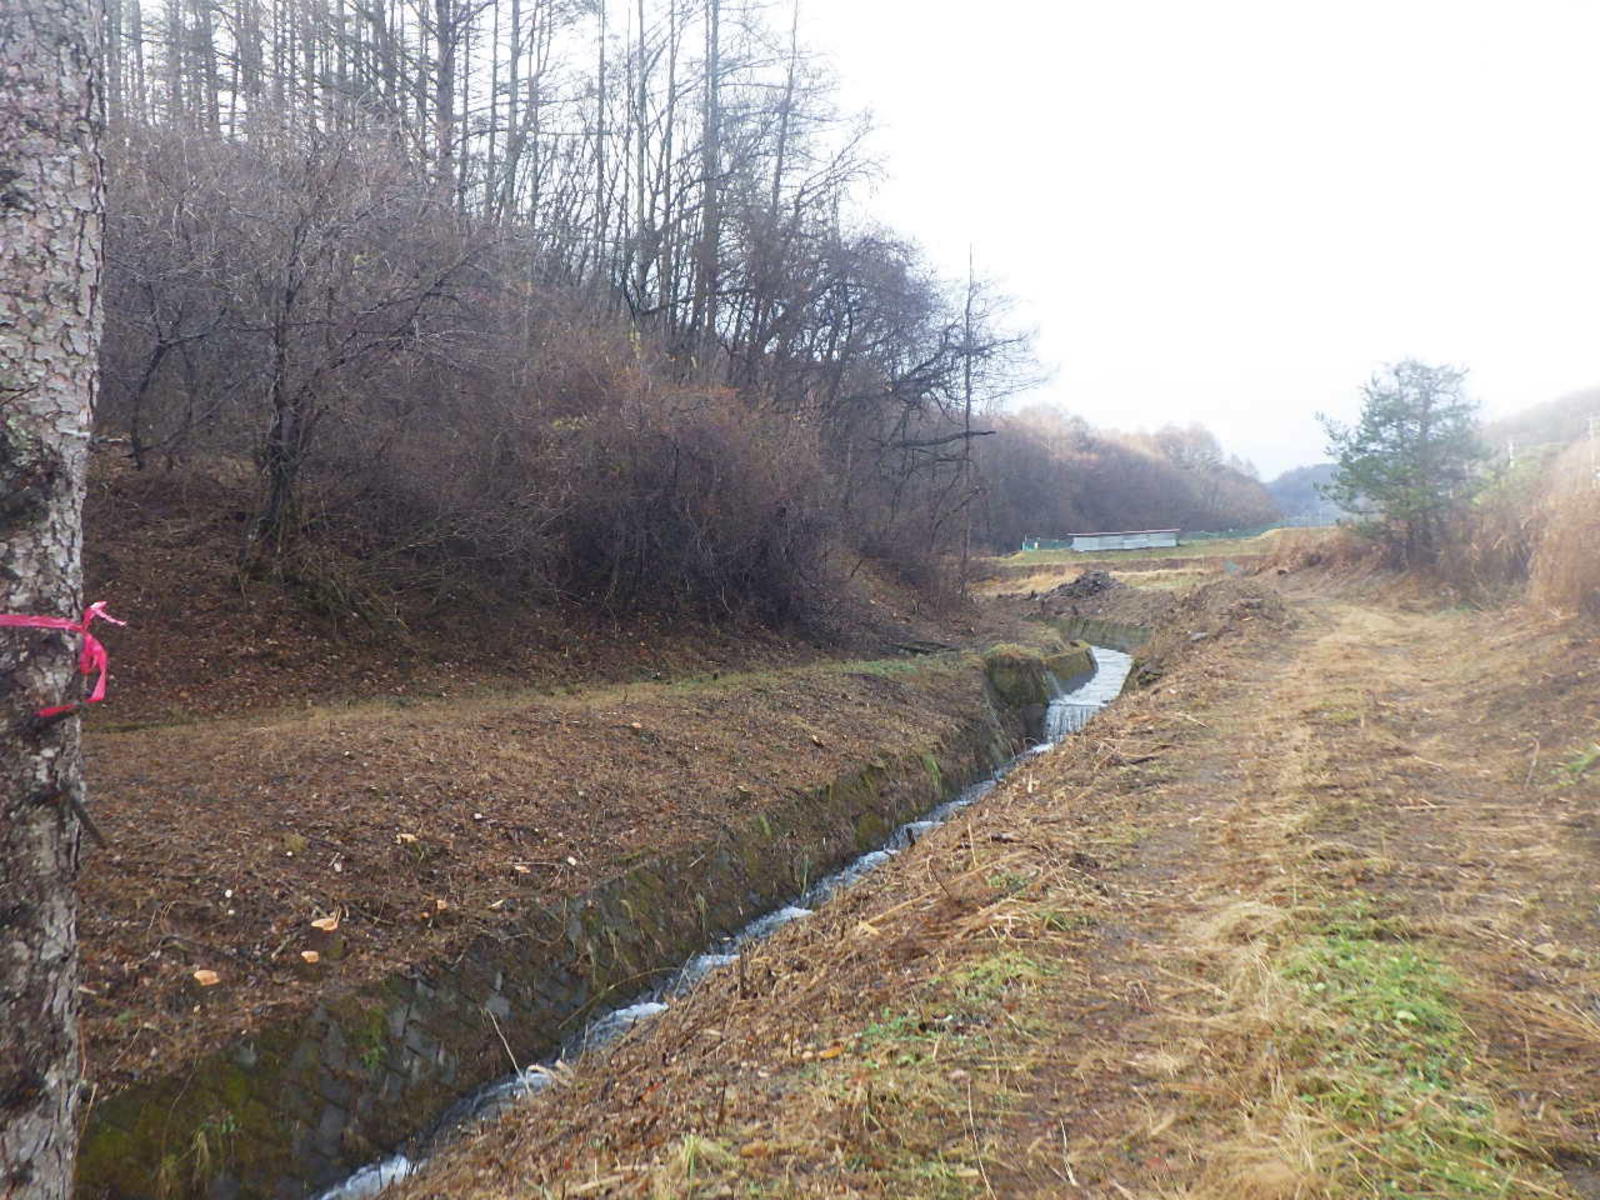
point(707, 270)
point(50, 250)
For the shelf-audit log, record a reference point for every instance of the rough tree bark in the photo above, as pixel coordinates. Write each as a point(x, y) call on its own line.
point(50, 246)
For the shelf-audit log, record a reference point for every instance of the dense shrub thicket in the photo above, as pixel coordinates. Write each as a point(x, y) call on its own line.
point(498, 297)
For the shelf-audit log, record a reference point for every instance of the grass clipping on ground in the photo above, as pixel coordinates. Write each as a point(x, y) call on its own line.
point(1331, 1032)
point(871, 1049)
point(1354, 1071)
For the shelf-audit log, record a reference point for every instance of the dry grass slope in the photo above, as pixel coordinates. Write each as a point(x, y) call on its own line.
point(1312, 917)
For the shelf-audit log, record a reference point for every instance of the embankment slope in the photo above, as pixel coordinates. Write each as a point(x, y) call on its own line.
point(1311, 915)
point(310, 935)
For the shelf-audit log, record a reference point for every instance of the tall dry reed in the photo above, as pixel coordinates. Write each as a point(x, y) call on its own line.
point(1566, 561)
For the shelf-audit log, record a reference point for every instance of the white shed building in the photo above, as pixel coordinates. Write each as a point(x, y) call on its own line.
point(1131, 539)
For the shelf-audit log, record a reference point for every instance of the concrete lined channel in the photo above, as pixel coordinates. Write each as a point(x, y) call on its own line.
point(1067, 712)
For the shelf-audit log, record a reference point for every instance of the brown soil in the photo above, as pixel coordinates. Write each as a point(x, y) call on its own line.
point(1133, 603)
point(1087, 987)
point(419, 827)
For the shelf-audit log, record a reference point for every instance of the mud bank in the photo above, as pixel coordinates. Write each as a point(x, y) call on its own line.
point(296, 1104)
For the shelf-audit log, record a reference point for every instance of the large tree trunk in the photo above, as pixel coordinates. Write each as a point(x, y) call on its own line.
point(50, 246)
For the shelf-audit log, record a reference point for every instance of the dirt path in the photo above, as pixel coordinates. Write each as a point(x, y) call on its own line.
point(1314, 916)
point(1370, 967)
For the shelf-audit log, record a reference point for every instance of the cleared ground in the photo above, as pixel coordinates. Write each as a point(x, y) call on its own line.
point(1311, 916)
point(407, 831)
point(1036, 571)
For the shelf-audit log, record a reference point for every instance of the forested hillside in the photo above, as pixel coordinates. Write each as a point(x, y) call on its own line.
point(562, 709)
point(568, 302)
point(1049, 475)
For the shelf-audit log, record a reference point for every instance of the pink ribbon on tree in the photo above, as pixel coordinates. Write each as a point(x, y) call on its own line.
point(92, 659)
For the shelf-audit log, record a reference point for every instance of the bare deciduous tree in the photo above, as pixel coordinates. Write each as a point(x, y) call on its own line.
point(684, 166)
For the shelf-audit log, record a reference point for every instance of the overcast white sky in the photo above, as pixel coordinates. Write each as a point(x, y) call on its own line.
point(1232, 211)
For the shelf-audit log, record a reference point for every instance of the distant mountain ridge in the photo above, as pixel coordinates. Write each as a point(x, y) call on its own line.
point(1297, 495)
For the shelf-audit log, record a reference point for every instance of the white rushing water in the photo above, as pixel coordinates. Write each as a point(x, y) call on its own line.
point(1067, 713)
point(1072, 709)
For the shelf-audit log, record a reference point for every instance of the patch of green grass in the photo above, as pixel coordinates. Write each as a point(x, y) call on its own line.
point(1387, 1061)
point(1010, 882)
point(884, 668)
point(942, 1180)
point(1064, 922)
point(991, 979)
point(893, 1027)
point(1579, 765)
point(905, 1039)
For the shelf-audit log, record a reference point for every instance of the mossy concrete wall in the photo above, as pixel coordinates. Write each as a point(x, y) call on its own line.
point(300, 1104)
point(1100, 632)
point(1020, 680)
point(1025, 679)
point(1073, 662)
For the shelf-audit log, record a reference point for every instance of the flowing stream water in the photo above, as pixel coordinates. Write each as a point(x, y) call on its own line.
point(1068, 712)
